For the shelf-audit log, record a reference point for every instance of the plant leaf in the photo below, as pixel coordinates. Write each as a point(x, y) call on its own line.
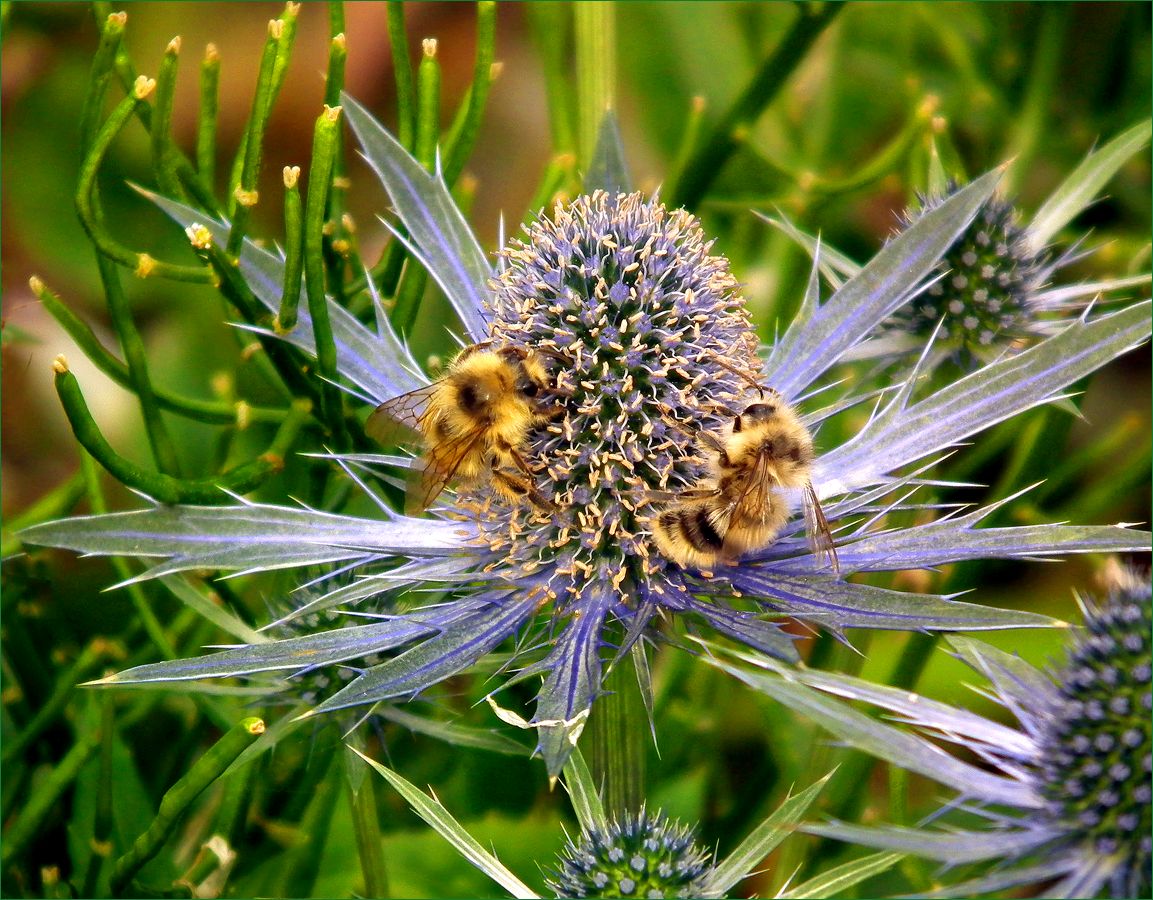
point(814, 343)
point(608, 170)
point(761, 841)
point(894, 745)
point(250, 537)
point(430, 809)
point(902, 433)
point(840, 878)
point(1081, 187)
point(441, 236)
point(458, 645)
point(826, 600)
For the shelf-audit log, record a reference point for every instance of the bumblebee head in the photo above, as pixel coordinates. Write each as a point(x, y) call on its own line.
point(765, 409)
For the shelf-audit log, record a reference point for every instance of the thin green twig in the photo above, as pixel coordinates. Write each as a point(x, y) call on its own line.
point(707, 162)
point(206, 120)
point(465, 128)
point(162, 487)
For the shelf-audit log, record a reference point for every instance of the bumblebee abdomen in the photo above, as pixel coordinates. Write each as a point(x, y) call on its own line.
point(693, 526)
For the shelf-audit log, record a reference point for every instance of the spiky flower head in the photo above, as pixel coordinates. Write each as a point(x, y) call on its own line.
point(1095, 753)
point(1066, 796)
point(983, 297)
point(639, 855)
point(645, 332)
point(648, 345)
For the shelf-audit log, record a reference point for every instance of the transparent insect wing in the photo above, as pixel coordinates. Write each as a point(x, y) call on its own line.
point(398, 420)
point(442, 462)
point(817, 527)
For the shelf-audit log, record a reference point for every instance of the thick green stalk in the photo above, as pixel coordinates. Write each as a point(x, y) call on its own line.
point(337, 223)
point(617, 735)
point(180, 797)
point(550, 27)
point(162, 487)
point(766, 83)
point(596, 53)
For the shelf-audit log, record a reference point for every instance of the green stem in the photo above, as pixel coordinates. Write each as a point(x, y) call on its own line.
point(201, 410)
point(163, 162)
point(324, 145)
point(596, 47)
point(45, 799)
point(618, 732)
point(180, 797)
point(402, 71)
point(303, 864)
point(63, 691)
point(463, 134)
point(87, 201)
point(764, 86)
point(549, 23)
point(245, 193)
point(163, 449)
point(206, 121)
point(1030, 122)
point(103, 68)
point(165, 488)
point(366, 828)
point(293, 250)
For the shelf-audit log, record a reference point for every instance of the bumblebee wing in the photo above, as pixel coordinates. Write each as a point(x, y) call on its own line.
point(441, 464)
point(397, 420)
point(752, 500)
point(817, 527)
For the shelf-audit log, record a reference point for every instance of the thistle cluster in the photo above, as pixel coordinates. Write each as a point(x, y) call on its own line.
point(639, 855)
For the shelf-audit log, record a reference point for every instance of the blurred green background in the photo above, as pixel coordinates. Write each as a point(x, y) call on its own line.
point(1041, 82)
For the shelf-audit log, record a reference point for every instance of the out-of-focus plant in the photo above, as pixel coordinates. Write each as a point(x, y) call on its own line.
point(326, 328)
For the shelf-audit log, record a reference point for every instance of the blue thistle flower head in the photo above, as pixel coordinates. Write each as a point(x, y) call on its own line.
point(1095, 749)
point(649, 346)
point(639, 855)
point(646, 332)
point(984, 295)
point(1066, 794)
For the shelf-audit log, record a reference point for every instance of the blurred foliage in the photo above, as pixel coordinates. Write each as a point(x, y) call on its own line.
point(841, 149)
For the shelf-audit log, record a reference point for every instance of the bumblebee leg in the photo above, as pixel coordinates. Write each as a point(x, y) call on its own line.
point(516, 489)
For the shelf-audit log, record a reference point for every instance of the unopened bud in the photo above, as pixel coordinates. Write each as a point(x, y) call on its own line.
point(291, 176)
point(276, 29)
point(60, 364)
point(429, 47)
point(143, 87)
point(173, 46)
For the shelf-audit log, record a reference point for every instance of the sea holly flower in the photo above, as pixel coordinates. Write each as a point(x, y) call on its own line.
point(1065, 794)
point(641, 854)
point(996, 287)
point(648, 341)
